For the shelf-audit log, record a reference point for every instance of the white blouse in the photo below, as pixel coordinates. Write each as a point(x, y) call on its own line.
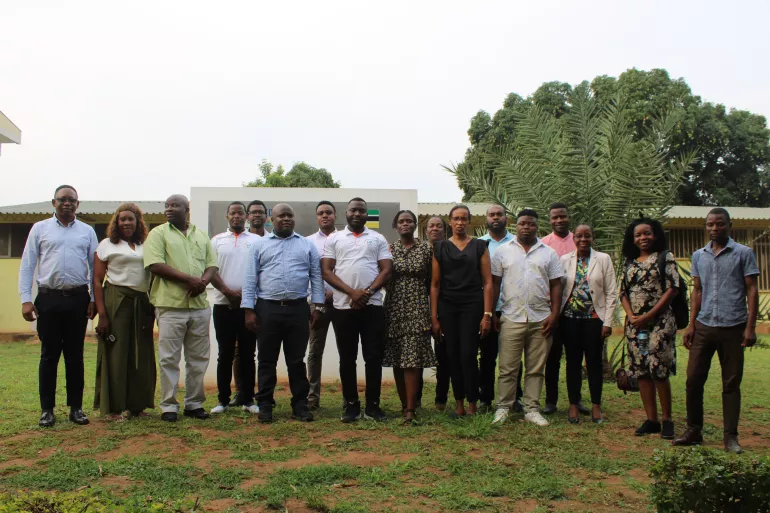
point(125, 266)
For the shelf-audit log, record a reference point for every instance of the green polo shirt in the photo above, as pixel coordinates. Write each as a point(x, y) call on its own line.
point(191, 254)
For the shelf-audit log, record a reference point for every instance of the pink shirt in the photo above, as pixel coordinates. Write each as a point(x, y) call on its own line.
point(561, 246)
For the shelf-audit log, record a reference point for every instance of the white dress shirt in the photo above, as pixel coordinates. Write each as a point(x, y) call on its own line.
point(125, 266)
point(232, 250)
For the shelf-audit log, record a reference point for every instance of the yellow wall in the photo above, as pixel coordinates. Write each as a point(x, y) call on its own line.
point(11, 320)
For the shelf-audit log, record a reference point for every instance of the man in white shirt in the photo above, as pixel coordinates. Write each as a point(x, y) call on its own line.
point(357, 263)
point(530, 273)
point(326, 216)
point(232, 249)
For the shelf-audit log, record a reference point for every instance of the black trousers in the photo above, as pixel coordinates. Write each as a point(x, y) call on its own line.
point(583, 337)
point(552, 368)
point(61, 327)
point(460, 325)
point(442, 374)
point(230, 327)
point(369, 324)
point(287, 325)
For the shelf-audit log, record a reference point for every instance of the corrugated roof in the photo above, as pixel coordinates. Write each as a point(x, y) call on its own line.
point(85, 208)
point(442, 209)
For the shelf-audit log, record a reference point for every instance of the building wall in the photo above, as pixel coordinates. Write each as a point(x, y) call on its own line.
point(11, 320)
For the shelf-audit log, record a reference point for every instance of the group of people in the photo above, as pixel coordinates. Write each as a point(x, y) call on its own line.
point(487, 304)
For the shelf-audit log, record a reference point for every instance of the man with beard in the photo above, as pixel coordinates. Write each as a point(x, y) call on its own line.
point(232, 249)
point(497, 235)
point(183, 262)
point(281, 267)
point(326, 216)
point(62, 249)
point(357, 263)
point(561, 241)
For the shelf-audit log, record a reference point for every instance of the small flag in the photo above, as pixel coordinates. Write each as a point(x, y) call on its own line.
point(374, 219)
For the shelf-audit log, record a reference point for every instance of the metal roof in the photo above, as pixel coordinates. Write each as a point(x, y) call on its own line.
point(442, 209)
point(85, 208)
point(9, 133)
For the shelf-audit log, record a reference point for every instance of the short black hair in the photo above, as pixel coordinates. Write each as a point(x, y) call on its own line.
point(585, 224)
point(395, 219)
point(362, 200)
point(558, 204)
point(431, 218)
point(719, 211)
point(630, 251)
point(325, 202)
point(457, 207)
point(527, 212)
point(256, 202)
point(505, 213)
point(236, 203)
point(64, 187)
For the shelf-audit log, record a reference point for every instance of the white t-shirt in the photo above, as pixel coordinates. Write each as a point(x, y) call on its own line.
point(232, 252)
point(319, 239)
point(125, 266)
point(356, 262)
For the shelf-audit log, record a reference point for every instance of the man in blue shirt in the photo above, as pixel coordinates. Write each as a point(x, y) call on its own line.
point(62, 249)
point(281, 265)
point(497, 235)
point(724, 276)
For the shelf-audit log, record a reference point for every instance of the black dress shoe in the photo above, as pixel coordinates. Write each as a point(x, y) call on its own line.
point(78, 417)
point(265, 414)
point(549, 409)
point(169, 416)
point(236, 401)
point(197, 413)
point(301, 413)
point(583, 409)
point(47, 419)
point(690, 437)
point(648, 427)
point(667, 432)
point(732, 445)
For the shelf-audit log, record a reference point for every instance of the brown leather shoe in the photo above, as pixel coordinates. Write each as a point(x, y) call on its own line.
point(732, 445)
point(690, 437)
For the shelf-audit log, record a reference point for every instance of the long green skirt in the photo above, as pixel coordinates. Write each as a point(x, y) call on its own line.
point(125, 370)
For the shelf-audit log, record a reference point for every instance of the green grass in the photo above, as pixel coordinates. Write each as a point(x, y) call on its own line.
point(232, 463)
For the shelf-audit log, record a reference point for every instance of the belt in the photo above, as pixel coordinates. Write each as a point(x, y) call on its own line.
point(286, 302)
point(63, 292)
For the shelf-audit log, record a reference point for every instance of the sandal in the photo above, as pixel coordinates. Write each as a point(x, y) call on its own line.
point(409, 417)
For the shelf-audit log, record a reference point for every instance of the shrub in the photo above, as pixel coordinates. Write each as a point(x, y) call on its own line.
point(707, 480)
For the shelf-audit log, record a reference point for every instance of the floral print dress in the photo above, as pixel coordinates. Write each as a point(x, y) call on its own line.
point(407, 308)
point(643, 286)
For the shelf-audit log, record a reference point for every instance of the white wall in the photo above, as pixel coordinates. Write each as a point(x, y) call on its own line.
point(199, 208)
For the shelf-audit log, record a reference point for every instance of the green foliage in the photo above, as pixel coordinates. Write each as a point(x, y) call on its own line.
point(731, 147)
point(589, 158)
point(707, 480)
point(300, 175)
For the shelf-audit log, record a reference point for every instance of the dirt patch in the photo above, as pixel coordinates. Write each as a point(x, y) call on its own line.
point(249, 483)
point(146, 444)
point(298, 506)
point(525, 506)
point(15, 463)
point(357, 458)
point(219, 505)
point(215, 458)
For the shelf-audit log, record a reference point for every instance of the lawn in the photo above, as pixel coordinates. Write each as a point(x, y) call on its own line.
point(232, 463)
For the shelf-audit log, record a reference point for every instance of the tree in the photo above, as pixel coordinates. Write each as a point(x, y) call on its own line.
point(731, 146)
point(591, 158)
point(300, 175)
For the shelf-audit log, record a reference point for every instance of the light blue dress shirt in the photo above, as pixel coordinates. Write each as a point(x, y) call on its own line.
point(723, 278)
point(492, 246)
point(280, 269)
point(62, 254)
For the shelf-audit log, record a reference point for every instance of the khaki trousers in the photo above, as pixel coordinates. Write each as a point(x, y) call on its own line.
point(517, 338)
point(189, 329)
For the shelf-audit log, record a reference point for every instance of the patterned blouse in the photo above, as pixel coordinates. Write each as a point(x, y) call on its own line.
point(580, 305)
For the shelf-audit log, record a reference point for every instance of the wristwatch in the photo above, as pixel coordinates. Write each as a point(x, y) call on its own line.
point(369, 290)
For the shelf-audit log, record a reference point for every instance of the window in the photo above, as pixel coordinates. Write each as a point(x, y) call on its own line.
point(5, 240)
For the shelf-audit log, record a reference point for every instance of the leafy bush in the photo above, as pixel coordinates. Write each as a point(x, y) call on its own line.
point(707, 480)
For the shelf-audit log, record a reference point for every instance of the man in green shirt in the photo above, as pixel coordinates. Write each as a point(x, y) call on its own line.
point(183, 263)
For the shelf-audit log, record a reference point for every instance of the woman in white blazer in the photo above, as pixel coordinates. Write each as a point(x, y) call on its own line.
point(588, 306)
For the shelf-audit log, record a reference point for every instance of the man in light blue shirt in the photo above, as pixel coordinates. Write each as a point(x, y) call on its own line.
point(281, 265)
point(62, 250)
point(497, 235)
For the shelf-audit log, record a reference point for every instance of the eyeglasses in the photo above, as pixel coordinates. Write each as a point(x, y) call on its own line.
point(66, 200)
point(256, 212)
point(460, 219)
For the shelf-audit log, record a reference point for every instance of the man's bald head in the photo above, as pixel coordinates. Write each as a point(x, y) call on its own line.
point(283, 219)
point(176, 209)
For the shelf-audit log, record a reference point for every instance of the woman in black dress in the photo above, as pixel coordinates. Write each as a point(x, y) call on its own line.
point(461, 304)
point(407, 314)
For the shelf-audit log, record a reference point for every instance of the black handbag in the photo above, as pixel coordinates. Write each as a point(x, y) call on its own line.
point(626, 382)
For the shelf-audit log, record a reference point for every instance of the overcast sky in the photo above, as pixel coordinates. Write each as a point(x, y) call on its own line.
point(151, 98)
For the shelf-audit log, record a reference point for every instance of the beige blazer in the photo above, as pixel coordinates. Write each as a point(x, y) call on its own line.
point(601, 282)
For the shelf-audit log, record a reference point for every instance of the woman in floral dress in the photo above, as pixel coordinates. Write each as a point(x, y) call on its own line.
point(650, 321)
point(407, 312)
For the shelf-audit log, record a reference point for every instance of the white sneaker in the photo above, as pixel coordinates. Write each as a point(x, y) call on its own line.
point(219, 408)
point(501, 415)
point(535, 418)
point(251, 408)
